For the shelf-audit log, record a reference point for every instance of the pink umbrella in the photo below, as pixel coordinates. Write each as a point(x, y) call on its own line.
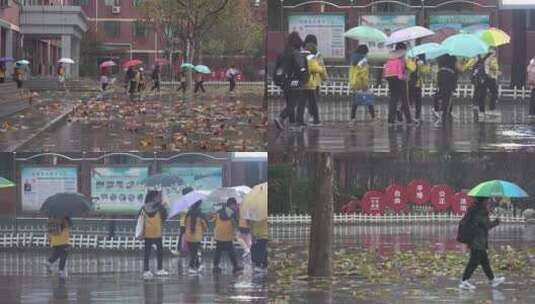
point(440, 35)
point(107, 64)
point(132, 62)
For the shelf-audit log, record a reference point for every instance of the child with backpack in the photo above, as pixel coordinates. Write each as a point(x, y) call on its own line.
point(531, 83)
point(394, 71)
point(474, 232)
point(359, 82)
point(291, 74)
point(58, 236)
point(418, 70)
point(318, 73)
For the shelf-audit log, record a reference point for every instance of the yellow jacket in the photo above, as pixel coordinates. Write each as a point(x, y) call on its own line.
point(317, 73)
point(153, 226)
point(259, 229)
point(359, 77)
point(182, 219)
point(224, 229)
point(423, 70)
point(61, 237)
point(491, 67)
point(200, 227)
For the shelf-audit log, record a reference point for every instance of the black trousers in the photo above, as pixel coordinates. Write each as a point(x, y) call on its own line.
point(193, 256)
point(159, 253)
point(59, 252)
point(532, 102)
point(415, 98)
point(156, 86)
point(232, 83)
point(228, 247)
point(179, 245)
point(104, 86)
point(491, 86)
point(294, 98)
point(478, 257)
point(199, 85)
point(398, 91)
point(259, 255)
point(2, 79)
point(312, 98)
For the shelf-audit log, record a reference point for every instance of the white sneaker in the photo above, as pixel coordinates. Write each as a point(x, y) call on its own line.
point(436, 114)
point(48, 266)
point(175, 252)
point(162, 272)
point(246, 253)
point(497, 281)
point(466, 285)
point(192, 270)
point(147, 275)
point(62, 274)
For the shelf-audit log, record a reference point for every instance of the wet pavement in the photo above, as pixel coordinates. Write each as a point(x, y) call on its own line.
point(105, 277)
point(513, 130)
point(402, 263)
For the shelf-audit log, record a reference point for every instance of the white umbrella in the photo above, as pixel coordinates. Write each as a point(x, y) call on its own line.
point(66, 60)
point(408, 34)
point(185, 201)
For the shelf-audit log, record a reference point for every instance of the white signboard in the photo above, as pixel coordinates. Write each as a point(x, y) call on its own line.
point(39, 183)
point(517, 4)
point(329, 29)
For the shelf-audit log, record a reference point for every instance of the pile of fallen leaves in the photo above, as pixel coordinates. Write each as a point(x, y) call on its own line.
point(171, 123)
point(354, 269)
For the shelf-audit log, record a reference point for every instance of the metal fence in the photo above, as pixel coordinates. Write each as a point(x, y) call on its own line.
point(341, 88)
point(93, 233)
point(240, 84)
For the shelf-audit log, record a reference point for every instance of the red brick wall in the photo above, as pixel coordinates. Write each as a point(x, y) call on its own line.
point(10, 14)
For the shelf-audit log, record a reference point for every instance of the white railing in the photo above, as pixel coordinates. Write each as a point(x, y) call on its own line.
point(341, 88)
point(358, 218)
point(247, 84)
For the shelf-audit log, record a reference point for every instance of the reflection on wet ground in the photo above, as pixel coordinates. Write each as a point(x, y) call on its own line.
point(512, 131)
point(369, 258)
point(116, 278)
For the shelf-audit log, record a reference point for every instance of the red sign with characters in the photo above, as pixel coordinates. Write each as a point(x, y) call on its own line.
point(441, 197)
point(373, 203)
point(460, 203)
point(395, 197)
point(418, 191)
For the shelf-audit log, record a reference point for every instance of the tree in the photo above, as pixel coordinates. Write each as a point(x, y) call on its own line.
point(183, 22)
point(320, 260)
point(91, 47)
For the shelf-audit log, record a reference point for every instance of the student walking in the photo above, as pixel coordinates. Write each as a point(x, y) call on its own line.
point(2, 72)
point(156, 79)
point(181, 79)
point(447, 84)
point(259, 254)
point(231, 75)
point(480, 224)
point(225, 221)
point(199, 83)
point(195, 224)
point(396, 75)
point(359, 74)
point(58, 236)
point(492, 70)
point(317, 73)
point(182, 224)
point(154, 215)
point(291, 74)
point(418, 70)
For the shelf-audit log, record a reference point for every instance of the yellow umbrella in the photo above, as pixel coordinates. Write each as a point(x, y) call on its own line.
point(254, 205)
point(494, 37)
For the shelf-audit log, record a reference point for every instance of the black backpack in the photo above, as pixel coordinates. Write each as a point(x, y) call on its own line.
point(291, 73)
point(479, 75)
point(465, 232)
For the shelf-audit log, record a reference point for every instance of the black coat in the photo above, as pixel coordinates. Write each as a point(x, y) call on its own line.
point(481, 224)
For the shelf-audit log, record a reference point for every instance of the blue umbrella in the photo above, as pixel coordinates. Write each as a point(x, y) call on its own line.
point(22, 62)
point(430, 50)
point(202, 69)
point(6, 59)
point(186, 66)
point(465, 45)
point(497, 188)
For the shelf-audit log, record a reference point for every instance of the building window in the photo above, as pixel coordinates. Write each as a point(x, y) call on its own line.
point(112, 28)
point(139, 29)
point(531, 20)
point(112, 2)
point(79, 2)
point(5, 3)
point(137, 3)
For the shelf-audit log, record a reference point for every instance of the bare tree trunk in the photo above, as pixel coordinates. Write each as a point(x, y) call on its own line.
point(320, 261)
point(189, 74)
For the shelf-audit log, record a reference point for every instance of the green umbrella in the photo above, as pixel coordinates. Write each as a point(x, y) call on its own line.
point(497, 188)
point(365, 34)
point(6, 183)
point(186, 66)
point(22, 62)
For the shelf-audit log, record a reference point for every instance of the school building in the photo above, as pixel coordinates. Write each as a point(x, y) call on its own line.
point(331, 18)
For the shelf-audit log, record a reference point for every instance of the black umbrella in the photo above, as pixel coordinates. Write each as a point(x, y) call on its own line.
point(66, 204)
point(163, 180)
